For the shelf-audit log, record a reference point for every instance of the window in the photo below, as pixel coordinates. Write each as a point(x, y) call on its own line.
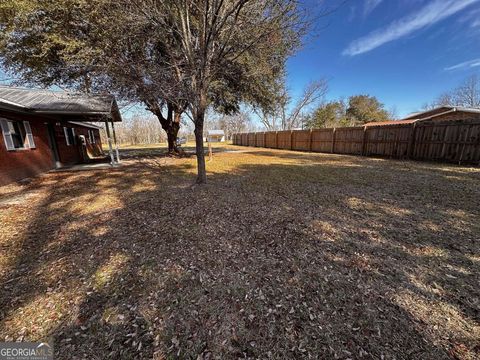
point(69, 135)
point(17, 134)
point(17, 131)
point(91, 136)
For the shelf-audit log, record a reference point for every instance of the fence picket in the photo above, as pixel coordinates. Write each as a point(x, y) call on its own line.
point(454, 141)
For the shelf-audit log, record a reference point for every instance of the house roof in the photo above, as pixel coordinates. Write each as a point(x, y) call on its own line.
point(391, 122)
point(86, 124)
point(215, 132)
point(440, 111)
point(426, 115)
point(88, 107)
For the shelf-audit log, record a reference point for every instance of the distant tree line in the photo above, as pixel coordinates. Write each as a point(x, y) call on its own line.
point(139, 129)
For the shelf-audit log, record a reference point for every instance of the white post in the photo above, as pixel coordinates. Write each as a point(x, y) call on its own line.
point(116, 145)
point(110, 150)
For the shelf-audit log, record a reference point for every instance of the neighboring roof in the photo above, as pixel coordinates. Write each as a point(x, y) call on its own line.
point(215, 132)
point(440, 111)
point(86, 124)
point(391, 122)
point(426, 115)
point(93, 107)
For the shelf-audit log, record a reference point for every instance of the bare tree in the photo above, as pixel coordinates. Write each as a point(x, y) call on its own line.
point(235, 123)
point(139, 129)
point(467, 95)
point(281, 118)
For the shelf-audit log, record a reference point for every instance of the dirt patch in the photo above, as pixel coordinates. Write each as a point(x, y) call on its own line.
point(281, 255)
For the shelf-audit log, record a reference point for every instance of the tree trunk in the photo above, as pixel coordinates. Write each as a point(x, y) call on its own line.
point(171, 123)
point(171, 130)
point(172, 133)
point(201, 170)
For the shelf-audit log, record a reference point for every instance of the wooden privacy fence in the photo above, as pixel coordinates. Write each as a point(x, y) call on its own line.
point(452, 141)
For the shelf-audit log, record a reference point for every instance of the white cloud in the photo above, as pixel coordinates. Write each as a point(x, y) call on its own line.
point(467, 64)
point(430, 14)
point(370, 5)
point(475, 24)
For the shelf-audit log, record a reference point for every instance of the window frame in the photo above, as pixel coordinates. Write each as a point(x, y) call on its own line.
point(91, 136)
point(69, 133)
point(12, 130)
point(18, 134)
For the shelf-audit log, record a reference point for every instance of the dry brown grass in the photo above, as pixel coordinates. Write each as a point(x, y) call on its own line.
point(282, 255)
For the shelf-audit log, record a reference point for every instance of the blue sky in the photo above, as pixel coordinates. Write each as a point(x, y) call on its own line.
point(404, 52)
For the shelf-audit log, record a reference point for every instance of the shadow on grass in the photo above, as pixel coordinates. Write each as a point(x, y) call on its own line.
point(322, 258)
point(143, 153)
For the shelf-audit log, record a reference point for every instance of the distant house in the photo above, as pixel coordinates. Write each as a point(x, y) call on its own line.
point(42, 130)
point(443, 113)
point(215, 136)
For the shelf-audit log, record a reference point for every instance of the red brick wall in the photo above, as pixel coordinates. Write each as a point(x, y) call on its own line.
point(70, 154)
point(457, 115)
point(19, 164)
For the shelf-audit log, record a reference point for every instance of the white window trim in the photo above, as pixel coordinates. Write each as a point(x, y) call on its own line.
point(28, 142)
point(28, 135)
point(92, 137)
point(65, 132)
point(7, 137)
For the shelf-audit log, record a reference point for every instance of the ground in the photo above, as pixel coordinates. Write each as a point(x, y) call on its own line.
point(281, 255)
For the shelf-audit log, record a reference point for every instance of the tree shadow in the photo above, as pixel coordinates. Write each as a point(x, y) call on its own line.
point(159, 152)
point(320, 258)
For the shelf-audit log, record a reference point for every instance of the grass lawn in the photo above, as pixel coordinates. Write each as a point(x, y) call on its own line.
point(281, 255)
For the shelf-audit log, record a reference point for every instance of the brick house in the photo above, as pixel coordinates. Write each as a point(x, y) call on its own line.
point(447, 113)
point(440, 114)
point(42, 130)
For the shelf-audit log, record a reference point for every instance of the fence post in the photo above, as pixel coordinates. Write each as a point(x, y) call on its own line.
point(411, 143)
point(310, 141)
point(264, 139)
point(291, 139)
point(364, 140)
point(276, 139)
point(333, 139)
